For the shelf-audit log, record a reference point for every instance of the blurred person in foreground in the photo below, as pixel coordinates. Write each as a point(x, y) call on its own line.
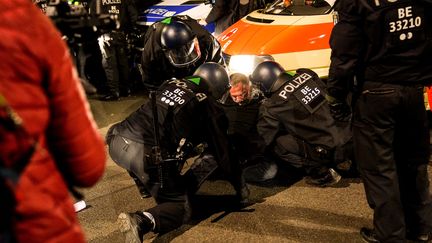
point(40, 84)
point(174, 48)
point(241, 104)
point(296, 123)
point(181, 121)
point(381, 50)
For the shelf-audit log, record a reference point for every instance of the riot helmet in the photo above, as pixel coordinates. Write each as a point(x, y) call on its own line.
point(216, 77)
point(265, 76)
point(179, 43)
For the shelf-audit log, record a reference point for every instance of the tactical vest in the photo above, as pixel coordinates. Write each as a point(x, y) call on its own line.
point(300, 106)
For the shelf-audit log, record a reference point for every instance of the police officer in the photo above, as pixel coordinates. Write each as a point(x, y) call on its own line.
point(187, 117)
point(176, 47)
point(113, 45)
point(295, 120)
point(382, 49)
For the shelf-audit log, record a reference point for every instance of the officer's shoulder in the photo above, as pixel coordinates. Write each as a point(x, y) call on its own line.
point(308, 71)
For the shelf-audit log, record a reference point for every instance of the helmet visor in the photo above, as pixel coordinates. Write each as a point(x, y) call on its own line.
point(184, 55)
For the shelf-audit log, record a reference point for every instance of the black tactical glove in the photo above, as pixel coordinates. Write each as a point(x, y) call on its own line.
point(339, 109)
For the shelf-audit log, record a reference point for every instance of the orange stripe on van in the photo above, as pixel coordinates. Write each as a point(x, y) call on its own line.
point(246, 38)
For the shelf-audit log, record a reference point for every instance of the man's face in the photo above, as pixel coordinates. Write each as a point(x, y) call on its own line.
point(240, 92)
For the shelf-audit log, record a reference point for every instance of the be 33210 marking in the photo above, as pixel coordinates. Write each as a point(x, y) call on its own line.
point(406, 20)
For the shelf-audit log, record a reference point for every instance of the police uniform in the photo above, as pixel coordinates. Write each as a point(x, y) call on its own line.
point(156, 66)
point(184, 111)
point(113, 44)
point(296, 121)
point(387, 46)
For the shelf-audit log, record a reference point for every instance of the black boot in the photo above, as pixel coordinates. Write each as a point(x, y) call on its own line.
point(368, 235)
point(419, 238)
point(112, 96)
point(88, 87)
point(134, 226)
point(323, 177)
point(242, 189)
point(243, 194)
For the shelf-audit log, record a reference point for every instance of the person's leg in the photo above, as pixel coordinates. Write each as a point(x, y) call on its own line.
point(412, 154)
point(109, 64)
point(199, 169)
point(129, 155)
point(81, 62)
point(373, 131)
point(300, 154)
point(123, 66)
point(172, 208)
point(141, 187)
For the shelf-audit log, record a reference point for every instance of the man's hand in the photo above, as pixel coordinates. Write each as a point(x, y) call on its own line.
point(339, 109)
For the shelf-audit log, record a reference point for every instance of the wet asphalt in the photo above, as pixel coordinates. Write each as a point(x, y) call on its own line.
point(283, 210)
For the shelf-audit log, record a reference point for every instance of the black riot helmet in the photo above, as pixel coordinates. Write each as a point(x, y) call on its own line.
point(216, 77)
point(266, 75)
point(179, 43)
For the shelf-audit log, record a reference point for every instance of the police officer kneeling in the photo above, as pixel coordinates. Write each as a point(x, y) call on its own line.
point(295, 122)
point(154, 141)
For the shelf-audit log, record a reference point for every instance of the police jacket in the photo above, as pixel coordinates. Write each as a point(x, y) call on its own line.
point(184, 111)
point(125, 11)
point(157, 68)
point(381, 41)
point(298, 107)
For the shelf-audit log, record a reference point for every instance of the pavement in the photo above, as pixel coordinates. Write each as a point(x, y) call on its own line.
point(284, 210)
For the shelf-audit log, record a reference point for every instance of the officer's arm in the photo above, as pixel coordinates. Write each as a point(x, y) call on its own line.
point(218, 11)
point(148, 70)
point(268, 125)
point(216, 52)
point(151, 55)
point(346, 44)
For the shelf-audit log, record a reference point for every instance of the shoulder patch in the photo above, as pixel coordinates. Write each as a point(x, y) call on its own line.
point(195, 80)
point(291, 73)
point(167, 20)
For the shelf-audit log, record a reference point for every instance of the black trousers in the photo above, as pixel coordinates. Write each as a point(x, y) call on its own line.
point(173, 207)
point(391, 145)
point(113, 47)
point(312, 158)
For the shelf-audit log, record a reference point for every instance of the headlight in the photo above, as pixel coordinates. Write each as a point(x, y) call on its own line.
point(246, 63)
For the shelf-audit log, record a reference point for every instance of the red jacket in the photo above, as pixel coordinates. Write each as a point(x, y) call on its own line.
point(39, 82)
